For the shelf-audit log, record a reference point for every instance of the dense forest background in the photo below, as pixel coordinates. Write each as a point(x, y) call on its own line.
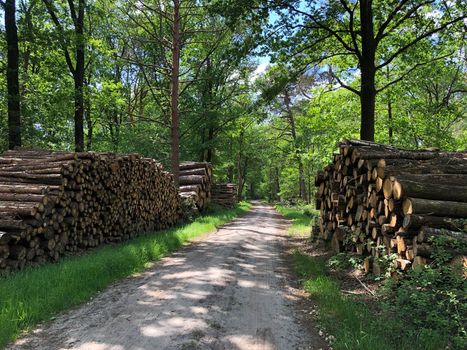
point(264, 88)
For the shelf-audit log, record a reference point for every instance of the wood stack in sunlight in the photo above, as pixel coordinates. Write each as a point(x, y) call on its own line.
point(53, 202)
point(377, 200)
point(195, 183)
point(224, 194)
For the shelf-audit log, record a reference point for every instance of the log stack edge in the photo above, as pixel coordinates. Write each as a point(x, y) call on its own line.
point(195, 184)
point(224, 194)
point(376, 200)
point(54, 202)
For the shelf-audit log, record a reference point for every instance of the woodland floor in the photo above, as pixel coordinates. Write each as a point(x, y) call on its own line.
point(231, 289)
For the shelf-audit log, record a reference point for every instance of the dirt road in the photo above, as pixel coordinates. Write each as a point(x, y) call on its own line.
point(228, 290)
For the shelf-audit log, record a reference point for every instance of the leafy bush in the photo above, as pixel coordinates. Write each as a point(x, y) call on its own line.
point(309, 211)
point(343, 261)
point(430, 304)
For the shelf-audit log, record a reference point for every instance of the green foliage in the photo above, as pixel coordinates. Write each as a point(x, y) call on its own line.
point(350, 322)
point(231, 114)
point(302, 217)
point(343, 261)
point(36, 294)
point(386, 263)
point(436, 300)
point(426, 311)
point(445, 248)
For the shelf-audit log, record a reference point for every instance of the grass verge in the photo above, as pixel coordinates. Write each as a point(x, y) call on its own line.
point(423, 311)
point(301, 218)
point(351, 321)
point(36, 294)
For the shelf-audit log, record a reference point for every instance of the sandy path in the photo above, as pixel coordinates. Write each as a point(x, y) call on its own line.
point(228, 290)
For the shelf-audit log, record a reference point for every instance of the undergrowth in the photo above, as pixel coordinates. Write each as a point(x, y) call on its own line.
point(302, 218)
point(427, 310)
point(36, 294)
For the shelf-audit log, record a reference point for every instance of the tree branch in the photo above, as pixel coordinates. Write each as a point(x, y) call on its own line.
point(411, 70)
point(322, 26)
point(160, 12)
point(390, 18)
point(341, 83)
point(71, 5)
point(381, 34)
point(353, 35)
point(418, 39)
point(53, 15)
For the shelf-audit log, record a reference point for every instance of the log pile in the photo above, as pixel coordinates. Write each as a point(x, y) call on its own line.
point(224, 194)
point(53, 202)
point(195, 183)
point(378, 200)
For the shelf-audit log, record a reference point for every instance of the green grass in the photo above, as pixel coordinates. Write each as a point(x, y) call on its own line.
point(351, 322)
point(36, 294)
point(349, 319)
point(301, 218)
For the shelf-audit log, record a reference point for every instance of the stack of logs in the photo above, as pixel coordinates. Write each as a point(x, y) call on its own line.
point(52, 202)
point(224, 194)
point(378, 200)
point(195, 183)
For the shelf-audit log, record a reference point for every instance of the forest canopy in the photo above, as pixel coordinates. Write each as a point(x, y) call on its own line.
point(263, 89)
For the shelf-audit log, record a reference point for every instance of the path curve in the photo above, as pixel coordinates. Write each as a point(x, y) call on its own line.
point(227, 290)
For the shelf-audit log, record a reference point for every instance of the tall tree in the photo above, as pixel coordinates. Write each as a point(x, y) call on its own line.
point(174, 93)
point(291, 120)
point(172, 42)
point(368, 35)
point(14, 110)
point(281, 86)
point(78, 68)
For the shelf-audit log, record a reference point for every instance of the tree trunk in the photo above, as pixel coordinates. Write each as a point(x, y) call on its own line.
point(414, 222)
point(210, 151)
point(79, 78)
point(231, 168)
point(368, 72)
point(89, 124)
point(239, 166)
point(14, 112)
point(427, 189)
point(430, 207)
point(277, 184)
point(390, 128)
point(301, 175)
point(175, 128)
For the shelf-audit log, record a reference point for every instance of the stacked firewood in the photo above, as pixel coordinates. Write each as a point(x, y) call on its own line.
point(378, 201)
point(52, 202)
point(224, 194)
point(195, 183)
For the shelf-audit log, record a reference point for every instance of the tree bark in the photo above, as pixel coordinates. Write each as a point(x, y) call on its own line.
point(78, 77)
point(277, 183)
point(290, 117)
point(14, 112)
point(390, 128)
point(175, 123)
point(89, 124)
point(239, 166)
point(434, 207)
point(210, 152)
point(368, 72)
point(427, 189)
point(414, 222)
